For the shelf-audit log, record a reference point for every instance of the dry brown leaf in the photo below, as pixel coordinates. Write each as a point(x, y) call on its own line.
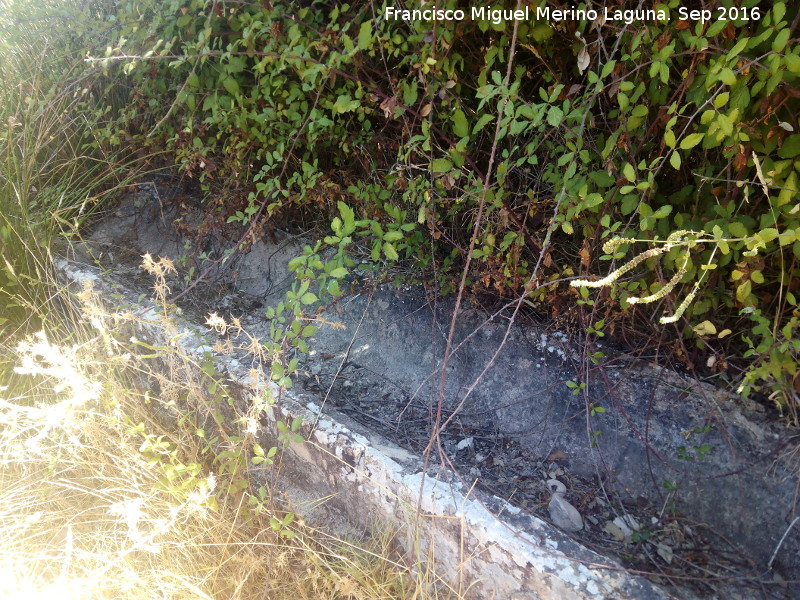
point(388, 106)
point(583, 60)
point(585, 256)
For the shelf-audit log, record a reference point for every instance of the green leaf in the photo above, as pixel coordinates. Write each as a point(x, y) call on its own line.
point(277, 369)
point(675, 160)
point(691, 140)
point(601, 178)
point(348, 43)
point(788, 192)
point(593, 200)
point(518, 126)
point(790, 147)
point(725, 124)
point(393, 236)
point(309, 298)
point(554, 116)
point(767, 235)
point(737, 229)
point(365, 35)
point(629, 172)
point(348, 215)
point(460, 125)
point(721, 99)
point(441, 165)
point(792, 62)
point(410, 92)
point(482, 123)
point(743, 291)
point(737, 49)
point(778, 12)
point(662, 212)
point(779, 43)
point(229, 83)
point(339, 272)
point(236, 64)
point(333, 288)
point(629, 203)
point(345, 103)
point(727, 76)
point(389, 251)
point(297, 262)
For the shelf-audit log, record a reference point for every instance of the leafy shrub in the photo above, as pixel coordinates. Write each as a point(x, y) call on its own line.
point(631, 130)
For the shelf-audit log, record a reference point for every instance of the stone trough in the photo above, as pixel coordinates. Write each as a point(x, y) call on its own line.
point(665, 451)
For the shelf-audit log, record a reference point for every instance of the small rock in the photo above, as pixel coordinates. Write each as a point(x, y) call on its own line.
point(614, 531)
point(464, 444)
point(562, 513)
point(779, 580)
point(665, 552)
point(628, 524)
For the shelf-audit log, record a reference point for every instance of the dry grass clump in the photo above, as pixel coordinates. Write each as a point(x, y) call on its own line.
point(99, 499)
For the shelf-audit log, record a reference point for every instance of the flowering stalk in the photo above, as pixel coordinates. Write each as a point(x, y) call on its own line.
point(660, 293)
point(686, 302)
point(614, 275)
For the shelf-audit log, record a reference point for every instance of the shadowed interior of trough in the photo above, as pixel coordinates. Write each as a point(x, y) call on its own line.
point(670, 476)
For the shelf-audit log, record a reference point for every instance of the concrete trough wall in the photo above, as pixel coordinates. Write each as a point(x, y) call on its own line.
point(479, 544)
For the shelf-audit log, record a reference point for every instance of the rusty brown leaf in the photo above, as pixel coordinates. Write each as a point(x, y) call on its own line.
point(388, 106)
point(585, 256)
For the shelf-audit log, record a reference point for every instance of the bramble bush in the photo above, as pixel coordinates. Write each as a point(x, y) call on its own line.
point(285, 110)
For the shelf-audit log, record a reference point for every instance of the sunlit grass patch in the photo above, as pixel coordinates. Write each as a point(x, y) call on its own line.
point(99, 499)
point(82, 510)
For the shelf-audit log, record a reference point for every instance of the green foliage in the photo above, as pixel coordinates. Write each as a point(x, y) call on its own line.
point(672, 125)
point(53, 172)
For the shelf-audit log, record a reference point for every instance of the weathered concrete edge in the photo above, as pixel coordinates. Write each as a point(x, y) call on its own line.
point(372, 479)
